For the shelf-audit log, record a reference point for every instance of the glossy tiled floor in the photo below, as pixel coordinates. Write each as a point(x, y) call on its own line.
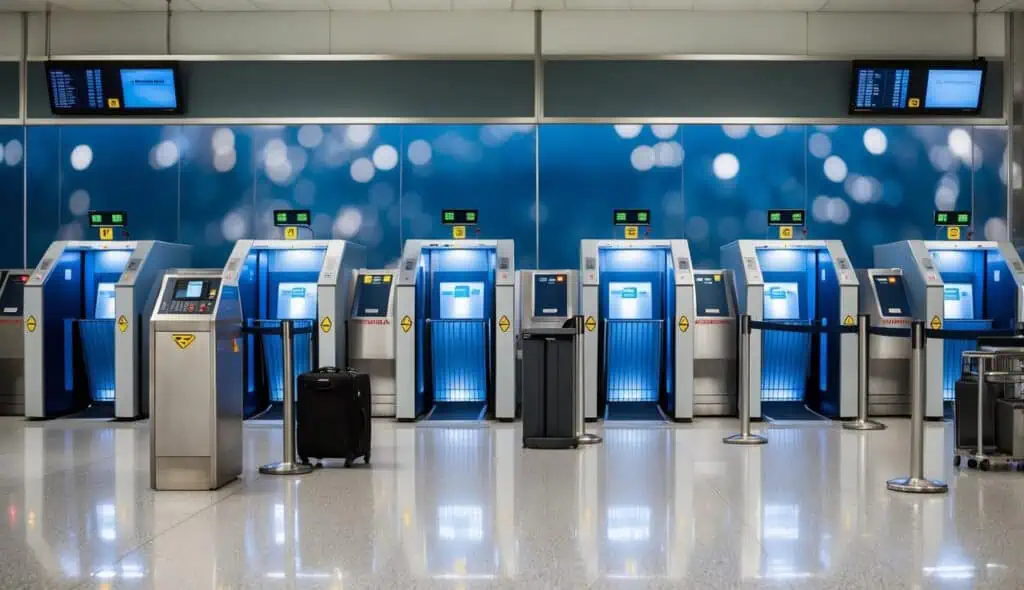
point(467, 507)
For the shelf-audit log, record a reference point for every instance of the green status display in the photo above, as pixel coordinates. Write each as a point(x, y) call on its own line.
point(291, 217)
point(786, 217)
point(632, 217)
point(459, 216)
point(949, 218)
point(108, 219)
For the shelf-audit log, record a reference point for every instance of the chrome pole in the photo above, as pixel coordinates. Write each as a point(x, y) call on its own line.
point(981, 408)
point(582, 436)
point(916, 482)
point(743, 385)
point(862, 422)
point(287, 465)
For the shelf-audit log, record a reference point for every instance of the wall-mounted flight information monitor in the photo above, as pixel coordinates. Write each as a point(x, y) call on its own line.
point(290, 217)
point(952, 218)
point(632, 217)
point(786, 217)
point(108, 219)
point(113, 88)
point(459, 216)
point(917, 87)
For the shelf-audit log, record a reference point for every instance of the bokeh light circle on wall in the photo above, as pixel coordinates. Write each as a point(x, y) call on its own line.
point(668, 154)
point(164, 155)
point(420, 152)
point(768, 131)
point(225, 161)
point(362, 170)
point(81, 157)
point(642, 158)
point(233, 227)
point(385, 157)
point(357, 136)
point(959, 142)
point(995, 229)
point(835, 169)
point(736, 131)
point(310, 136)
point(725, 166)
point(664, 131)
point(348, 222)
point(863, 189)
point(12, 152)
point(222, 140)
point(697, 228)
point(819, 145)
point(628, 131)
point(875, 141)
point(941, 158)
point(78, 203)
point(947, 192)
point(826, 209)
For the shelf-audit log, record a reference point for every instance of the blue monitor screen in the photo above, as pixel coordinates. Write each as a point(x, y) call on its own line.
point(958, 301)
point(550, 295)
point(630, 301)
point(105, 301)
point(462, 301)
point(781, 301)
point(296, 301)
point(953, 89)
point(149, 88)
point(882, 88)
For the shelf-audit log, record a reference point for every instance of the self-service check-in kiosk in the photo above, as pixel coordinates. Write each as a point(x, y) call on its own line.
point(196, 364)
point(87, 306)
point(546, 299)
point(12, 342)
point(714, 343)
point(971, 286)
point(455, 342)
point(306, 281)
point(799, 283)
point(371, 336)
point(638, 305)
point(883, 297)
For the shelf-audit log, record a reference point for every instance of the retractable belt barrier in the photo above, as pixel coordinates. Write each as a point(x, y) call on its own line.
point(943, 334)
point(803, 328)
point(277, 330)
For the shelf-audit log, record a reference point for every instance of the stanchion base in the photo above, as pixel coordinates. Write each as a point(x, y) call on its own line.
point(914, 485)
point(286, 468)
point(863, 425)
point(745, 439)
point(588, 438)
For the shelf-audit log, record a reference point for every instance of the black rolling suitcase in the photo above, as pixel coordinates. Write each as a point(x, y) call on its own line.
point(333, 415)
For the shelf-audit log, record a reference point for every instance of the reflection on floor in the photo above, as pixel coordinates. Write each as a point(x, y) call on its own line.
point(466, 507)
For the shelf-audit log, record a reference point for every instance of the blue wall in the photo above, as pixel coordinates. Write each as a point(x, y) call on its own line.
point(378, 185)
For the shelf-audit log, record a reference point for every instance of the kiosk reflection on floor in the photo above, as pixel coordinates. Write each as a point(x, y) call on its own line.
point(87, 305)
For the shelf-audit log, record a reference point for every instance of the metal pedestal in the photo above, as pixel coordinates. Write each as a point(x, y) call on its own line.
point(288, 466)
point(744, 437)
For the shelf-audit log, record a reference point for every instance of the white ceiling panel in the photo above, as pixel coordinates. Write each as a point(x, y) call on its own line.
point(899, 5)
point(99, 5)
point(482, 4)
point(296, 5)
point(759, 5)
point(597, 4)
point(421, 4)
point(661, 4)
point(158, 5)
point(538, 4)
point(359, 4)
point(224, 5)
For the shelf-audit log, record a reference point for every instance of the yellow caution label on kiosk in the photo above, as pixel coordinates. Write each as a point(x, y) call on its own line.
point(406, 324)
point(786, 232)
point(106, 234)
point(848, 320)
point(122, 324)
point(291, 232)
point(953, 233)
point(591, 323)
point(30, 323)
point(632, 232)
point(458, 232)
point(936, 323)
point(183, 340)
point(326, 324)
point(503, 323)
point(684, 323)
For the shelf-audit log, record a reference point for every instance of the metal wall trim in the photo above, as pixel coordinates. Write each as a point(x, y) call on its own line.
point(290, 57)
point(5, 122)
point(279, 121)
point(743, 57)
point(783, 120)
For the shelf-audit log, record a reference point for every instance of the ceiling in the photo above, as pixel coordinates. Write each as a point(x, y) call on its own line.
point(505, 5)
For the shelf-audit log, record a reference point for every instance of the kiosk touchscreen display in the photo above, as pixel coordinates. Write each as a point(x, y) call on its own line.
point(892, 298)
point(549, 295)
point(296, 301)
point(462, 301)
point(958, 301)
point(630, 301)
point(781, 301)
point(105, 301)
point(711, 295)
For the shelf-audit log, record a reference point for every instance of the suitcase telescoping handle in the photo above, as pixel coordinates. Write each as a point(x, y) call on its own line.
point(334, 370)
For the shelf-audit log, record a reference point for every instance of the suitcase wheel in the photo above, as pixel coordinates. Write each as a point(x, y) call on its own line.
point(366, 458)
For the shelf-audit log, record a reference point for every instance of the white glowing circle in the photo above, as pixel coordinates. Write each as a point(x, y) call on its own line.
point(81, 157)
point(78, 203)
point(668, 154)
point(348, 222)
point(628, 131)
point(947, 192)
point(362, 170)
point(835, 169)
point(164, 155)
point(820, 208)
point(225, 161)
point(664, 131)
point(298, 158)
point(310, 136)
point(12, 153)
point(233, 226)
point(642, 158)
point(420, 152)
point(862, 189)
point(819, 145)
point(767, 131)
point(736, 131)
point(995, 229)
point(357, 136)
point(875, 141)
point(280, 172)
point(959, 142)
point(838, 211)
point(275, 153)
point(941, 158)
point(222, 140)
point(385, 157)
point(725, 166)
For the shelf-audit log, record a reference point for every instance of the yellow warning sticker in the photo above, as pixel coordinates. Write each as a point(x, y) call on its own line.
point(458, 232)
point(326, 324)
point(234, 345)
point(632, 232)
point(406, 324)
point(953, 233)
point(936, 323)
point(183, 340)
point(684, 323)
point(367, 279)
point(503, 323)
point(106, 233)
point(848, 320)
point(387, 278)
point(591, 323)
point(114, 103)
point(30, 323)
point(786, 232)
point(122, 324)
point(291, 232)
point(914, 103)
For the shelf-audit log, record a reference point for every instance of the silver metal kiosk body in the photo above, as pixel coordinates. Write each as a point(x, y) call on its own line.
point(87, 309)
point(956, 285)
point(626, 272)
point(195, 374)
point(455, 298)
point(372, 335)
point(801, 282)
point(714, 349)
point(883, 297)
point(12, 341)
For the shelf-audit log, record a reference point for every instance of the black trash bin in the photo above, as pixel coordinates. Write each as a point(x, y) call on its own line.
point(548, 386)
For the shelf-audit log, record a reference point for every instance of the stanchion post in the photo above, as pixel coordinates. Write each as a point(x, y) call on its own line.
point(862, 422)
point(743, 389)
point(916, 482)
point(582, 436)
point(288, 465)
point(981, 407)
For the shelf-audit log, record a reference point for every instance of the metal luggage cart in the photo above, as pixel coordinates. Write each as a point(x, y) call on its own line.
point(995, 366)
